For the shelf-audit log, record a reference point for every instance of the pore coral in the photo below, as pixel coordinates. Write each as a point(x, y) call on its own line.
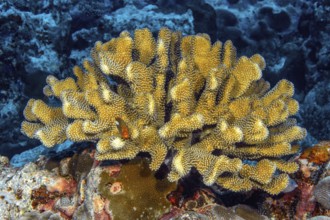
point(135, 193)
point(180, 94)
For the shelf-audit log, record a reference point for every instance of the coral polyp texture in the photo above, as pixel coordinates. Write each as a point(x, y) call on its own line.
point(179, 94)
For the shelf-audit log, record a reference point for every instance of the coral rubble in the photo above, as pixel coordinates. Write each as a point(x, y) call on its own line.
point(178, 94)
point(41, 190)
point(74, 188)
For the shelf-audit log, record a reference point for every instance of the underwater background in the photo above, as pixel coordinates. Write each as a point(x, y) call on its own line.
point(50, 37)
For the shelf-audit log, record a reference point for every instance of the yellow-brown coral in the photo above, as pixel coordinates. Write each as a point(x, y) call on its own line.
point(180, 94)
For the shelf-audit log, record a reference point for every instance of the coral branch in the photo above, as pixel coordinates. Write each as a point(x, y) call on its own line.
point(179, 94)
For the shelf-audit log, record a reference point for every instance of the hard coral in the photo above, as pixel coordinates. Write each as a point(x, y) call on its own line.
point(135, 193)
point(181, 94)
point(322, 192)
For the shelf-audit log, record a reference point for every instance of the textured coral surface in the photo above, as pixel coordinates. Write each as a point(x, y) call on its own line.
point(177, 95)
point(135, 193)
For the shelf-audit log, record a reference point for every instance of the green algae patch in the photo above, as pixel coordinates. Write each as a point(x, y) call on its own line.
point(136, 193)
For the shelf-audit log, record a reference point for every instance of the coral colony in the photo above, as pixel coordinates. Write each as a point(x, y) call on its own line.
point(176, 95)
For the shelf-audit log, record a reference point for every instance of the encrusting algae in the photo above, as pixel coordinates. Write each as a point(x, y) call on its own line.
point(135, 193)
point(178, 94)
